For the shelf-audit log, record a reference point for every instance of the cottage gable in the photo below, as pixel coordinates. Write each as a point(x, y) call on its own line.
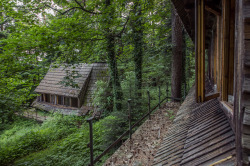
point(74, 98)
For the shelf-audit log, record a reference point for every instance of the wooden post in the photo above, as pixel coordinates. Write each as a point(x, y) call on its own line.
point(167, 91)
point(218, 53)
point(231, 52)
point(78, 102)
point(200, 49)
point(90, 145)
point(129, 117)
point(149, 105)
point(159, 96)
point(225, 48)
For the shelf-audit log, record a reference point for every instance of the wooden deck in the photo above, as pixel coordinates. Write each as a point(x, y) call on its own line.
point(200, 135)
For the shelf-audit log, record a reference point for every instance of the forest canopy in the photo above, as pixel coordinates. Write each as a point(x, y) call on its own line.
point(133, 37)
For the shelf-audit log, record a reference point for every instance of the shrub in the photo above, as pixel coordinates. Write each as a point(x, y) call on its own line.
point(33, 138)
point(73, 149)
point(103, 97)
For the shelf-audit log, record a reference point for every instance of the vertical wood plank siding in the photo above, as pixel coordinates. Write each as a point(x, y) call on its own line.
point(200, 51)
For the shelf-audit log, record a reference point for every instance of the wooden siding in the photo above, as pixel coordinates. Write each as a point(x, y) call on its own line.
point(99, 72)
point(246, 84)
point(200, 51)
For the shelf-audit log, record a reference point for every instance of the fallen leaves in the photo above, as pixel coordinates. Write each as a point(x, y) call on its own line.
point(140, 150)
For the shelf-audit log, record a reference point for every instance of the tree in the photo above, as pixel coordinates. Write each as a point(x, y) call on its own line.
point(138, 47)
point(110, 48)
point(177, 42)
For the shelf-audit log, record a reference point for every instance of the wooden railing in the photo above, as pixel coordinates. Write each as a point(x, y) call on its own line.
point(131, 127)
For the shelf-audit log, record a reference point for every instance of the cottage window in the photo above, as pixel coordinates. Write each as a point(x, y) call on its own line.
point(60, 100)
point(42, 97)
point(47, 98)
point(74, 102)
point(67, 101)
point(53, 99)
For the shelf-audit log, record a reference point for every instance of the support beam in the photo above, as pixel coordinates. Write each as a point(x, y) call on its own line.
point(78, 102)
point(200, 49)
point(225, 48)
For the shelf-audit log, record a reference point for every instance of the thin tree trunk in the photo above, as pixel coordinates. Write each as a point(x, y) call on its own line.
point(184, 64)
point(138, 48)
point(177, 41)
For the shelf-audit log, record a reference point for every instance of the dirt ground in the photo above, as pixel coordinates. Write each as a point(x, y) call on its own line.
point(140, 150)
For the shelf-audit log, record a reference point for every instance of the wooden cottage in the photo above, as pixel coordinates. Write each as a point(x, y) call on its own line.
point(213, 125)
point(74, 98)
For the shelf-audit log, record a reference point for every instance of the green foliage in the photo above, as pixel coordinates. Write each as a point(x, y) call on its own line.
point(72, 150)
point(25, 139)
point(103, 96)
point(115, 125)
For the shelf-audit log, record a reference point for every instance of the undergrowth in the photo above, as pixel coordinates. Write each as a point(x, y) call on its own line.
point(73, 150)
point(28, 137)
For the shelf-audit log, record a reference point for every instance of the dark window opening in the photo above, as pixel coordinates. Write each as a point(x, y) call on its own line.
point(74, 102)
point(60, 100)
point(47, 98)
point(66, 101)
point(42, 97)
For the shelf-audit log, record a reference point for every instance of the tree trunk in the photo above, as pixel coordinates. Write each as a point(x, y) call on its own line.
point(184, 65)
point(110, 39)
point(138, 48)
point(177, 41)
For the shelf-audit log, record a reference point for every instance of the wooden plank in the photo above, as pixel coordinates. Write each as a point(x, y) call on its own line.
point(225, 48)
point(231, 49)
point(210, 153)
point(215, 37)
point(205, 129)
point(200, 51)
point(246, 85)
point(205, 123)
point(246, 142)
point(211, 96)
point(219, 56)
point(223, 124)
point(212, 145)
point(247, 11)
point(246, 119)
point(208, 137)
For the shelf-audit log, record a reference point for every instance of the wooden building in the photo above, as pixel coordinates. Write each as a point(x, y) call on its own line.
point(220, 30)
point(72, 99)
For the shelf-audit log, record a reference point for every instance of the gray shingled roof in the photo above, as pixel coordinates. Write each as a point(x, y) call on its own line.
point(51, 82)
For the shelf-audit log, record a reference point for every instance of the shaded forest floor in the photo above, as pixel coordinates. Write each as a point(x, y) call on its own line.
point(35, 115)
point(140, 150)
